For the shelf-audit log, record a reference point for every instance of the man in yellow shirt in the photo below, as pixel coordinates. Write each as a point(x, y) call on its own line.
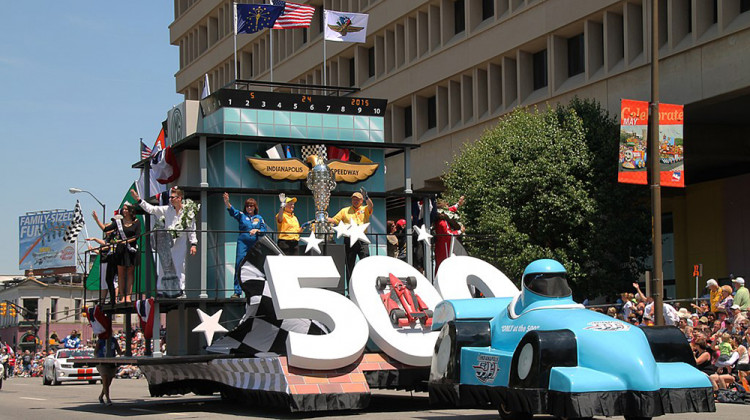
point(288, 226)
point(359, 214)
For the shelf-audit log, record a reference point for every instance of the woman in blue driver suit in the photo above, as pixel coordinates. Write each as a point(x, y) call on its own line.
point(251, 227)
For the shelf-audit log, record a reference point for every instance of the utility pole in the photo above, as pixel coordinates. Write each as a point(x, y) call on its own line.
point(654, 169)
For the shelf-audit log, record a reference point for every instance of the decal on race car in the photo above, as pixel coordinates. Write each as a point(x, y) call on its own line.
point(519, 328)
point(607, 326)
point(486, 368)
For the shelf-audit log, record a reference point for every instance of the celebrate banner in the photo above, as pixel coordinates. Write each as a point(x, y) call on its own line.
point(632, 165)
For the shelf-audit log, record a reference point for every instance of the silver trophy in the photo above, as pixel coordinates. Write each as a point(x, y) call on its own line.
point(321, 181)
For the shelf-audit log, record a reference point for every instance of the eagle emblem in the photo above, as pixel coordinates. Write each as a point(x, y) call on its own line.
point(344, 26)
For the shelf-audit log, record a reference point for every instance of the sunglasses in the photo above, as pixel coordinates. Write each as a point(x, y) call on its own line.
point(172, 197)
point(250, 205)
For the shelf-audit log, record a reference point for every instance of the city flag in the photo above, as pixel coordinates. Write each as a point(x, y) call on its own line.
point(75, 226)
point(345, 27)
point(145, 151)
point(252, 18)
point(295, 15)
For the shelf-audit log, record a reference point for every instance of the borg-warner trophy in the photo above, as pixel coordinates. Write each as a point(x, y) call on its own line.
point(321, 181)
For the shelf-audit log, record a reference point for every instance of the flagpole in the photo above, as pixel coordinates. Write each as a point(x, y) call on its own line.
point(325, 91)
point(234, 36)
point(270, 35)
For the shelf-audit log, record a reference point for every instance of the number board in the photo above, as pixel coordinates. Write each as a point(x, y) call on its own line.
point(293, 102)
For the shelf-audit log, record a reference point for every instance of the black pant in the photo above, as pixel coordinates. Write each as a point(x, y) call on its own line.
point(288, 246)
point(359, 249)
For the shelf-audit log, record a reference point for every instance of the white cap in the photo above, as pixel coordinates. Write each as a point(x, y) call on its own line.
point(712, 282)
point(739, 280)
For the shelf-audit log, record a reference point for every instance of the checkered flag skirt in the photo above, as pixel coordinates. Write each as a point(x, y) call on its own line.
point(313, 149)
point(260, 331)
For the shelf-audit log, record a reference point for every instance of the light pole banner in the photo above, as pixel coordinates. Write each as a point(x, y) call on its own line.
point(41, 240)
point(632, 165)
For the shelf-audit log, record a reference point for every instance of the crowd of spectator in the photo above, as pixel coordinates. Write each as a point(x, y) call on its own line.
point(717, 328)
point(28, 364)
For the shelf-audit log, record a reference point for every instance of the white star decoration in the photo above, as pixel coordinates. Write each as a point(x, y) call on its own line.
point(342, 229)
point(312, 243)
point(209, 325)
point(357, 233)
point(423, 234)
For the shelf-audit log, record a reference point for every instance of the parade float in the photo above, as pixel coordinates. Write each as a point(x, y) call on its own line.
point(305, 338)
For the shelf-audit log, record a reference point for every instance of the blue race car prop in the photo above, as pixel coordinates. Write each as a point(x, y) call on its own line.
point(541, 353)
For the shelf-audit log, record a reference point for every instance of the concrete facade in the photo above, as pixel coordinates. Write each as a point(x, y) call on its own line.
point(449, 69)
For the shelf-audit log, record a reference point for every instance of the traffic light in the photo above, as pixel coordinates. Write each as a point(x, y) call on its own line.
point(3, 308)
point(12, 312)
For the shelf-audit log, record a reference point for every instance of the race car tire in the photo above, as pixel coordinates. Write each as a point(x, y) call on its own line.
point(668, 345)
point(381, 282)
point(410, 282)
point(513, 415)
point(537, 353)
point(446, 359)
point(45, 381)
point(397, 314)
point(54, 378)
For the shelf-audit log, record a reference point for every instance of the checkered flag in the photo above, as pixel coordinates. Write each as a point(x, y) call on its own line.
point(260, 331)
point(75, 226)
point(314, 149)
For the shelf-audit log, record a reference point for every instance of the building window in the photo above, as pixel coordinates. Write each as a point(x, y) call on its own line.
point(321, 18)
point(407, 122)
point(459, 17)
point(744, 6)
point(53, 309)
point(716, 12)
point(304, 35)
point(371, 62)
point(488, 9)
point(539, 64)
point(32, 309)
point(431, 112)
point(352, 79)
point(77, 307)
point(576, 61)
point(689, 16)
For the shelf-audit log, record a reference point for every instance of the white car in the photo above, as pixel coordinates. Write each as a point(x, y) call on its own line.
point(59, 368)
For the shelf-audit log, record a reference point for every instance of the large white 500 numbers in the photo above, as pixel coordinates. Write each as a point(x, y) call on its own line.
point(296, 282)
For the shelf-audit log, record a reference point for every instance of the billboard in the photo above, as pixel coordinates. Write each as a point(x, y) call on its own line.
point(632, 165)
point(40, 240)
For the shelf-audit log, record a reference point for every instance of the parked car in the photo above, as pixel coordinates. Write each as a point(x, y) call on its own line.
point(539, 352)
point(59, 367)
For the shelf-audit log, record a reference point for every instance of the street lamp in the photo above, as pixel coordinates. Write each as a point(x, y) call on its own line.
point(78, 190)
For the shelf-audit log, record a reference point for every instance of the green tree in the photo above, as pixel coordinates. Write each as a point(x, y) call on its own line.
point(537, 185)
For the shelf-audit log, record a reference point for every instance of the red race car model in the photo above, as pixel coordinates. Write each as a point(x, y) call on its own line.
point(404, 306)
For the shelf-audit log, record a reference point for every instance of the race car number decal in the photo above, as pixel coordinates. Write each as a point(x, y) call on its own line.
point(607, 326)
point(486, 368)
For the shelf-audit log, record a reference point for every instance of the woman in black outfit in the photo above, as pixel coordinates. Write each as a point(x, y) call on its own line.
point(126, 230)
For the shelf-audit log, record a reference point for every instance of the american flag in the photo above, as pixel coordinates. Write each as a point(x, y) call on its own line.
point(295, 15)
point(145, 151)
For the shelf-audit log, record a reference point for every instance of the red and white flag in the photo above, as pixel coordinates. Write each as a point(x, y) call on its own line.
point(295, 15)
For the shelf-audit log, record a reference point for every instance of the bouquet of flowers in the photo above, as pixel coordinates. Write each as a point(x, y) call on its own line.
point(189, 209)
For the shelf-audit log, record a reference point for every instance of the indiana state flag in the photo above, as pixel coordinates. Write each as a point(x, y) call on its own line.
point(253, 17)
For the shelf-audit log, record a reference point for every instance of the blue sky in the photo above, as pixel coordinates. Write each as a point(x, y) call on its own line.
point(82, 81)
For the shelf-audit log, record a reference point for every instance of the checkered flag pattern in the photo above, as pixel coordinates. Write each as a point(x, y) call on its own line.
point(75, 226)
point(314, 149)
point(260, 332)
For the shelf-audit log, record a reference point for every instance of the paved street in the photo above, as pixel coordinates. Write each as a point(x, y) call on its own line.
point(26, 398)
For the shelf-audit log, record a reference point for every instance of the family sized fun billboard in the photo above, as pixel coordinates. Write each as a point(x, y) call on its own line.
point(40, 240)
point(632, 165)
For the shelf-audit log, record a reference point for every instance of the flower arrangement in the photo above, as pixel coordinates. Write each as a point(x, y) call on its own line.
point(189, 209)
